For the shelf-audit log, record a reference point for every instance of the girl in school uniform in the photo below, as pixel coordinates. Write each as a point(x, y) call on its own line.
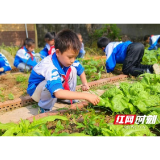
point(25, 58)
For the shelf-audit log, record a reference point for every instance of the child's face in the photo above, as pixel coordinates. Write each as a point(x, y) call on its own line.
point(31, 48)
point(80, 38)
point(102, 48)
point(66, 58)
point(51, 43)
point(147, 41)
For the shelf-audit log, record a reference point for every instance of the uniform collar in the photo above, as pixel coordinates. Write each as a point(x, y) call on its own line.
point(47, 46)
point(57, 65)
point(104, 50)
point(25, 48)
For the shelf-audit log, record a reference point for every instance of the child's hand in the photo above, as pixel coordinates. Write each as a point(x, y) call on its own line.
point(1, 69)
point(85, 87)
point(93, 99)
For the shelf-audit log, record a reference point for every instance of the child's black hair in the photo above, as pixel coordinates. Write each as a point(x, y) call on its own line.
point(158, 40)
point(146, 37)
point(49, 36)
point(29, 42)
point(67, 39)
point(102, 42)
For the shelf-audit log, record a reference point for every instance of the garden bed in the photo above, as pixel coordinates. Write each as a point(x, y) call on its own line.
point(89, 119)
point(85, 119)
point(13, 85)
point(26, 100)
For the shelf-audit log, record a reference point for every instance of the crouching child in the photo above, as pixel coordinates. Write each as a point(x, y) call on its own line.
point(55, 77)
point(127, 53)
point(25, 58)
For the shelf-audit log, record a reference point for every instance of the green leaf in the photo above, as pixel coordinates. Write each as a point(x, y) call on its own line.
point(36, 132)
point(111, 92)
point(101, 102)
point(118, 103)
point(45, 130)
point(8, 125)
point(60, 134)
point(80, 125)
point(137, 130)
point(11, 131)
point(78, 134)
point(47, 119)
point(11, 96)
point(59, 126)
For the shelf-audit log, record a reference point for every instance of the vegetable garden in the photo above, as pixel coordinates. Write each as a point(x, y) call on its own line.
point(130, 96)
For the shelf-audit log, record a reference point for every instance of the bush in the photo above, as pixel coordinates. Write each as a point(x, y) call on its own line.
point(109, 30)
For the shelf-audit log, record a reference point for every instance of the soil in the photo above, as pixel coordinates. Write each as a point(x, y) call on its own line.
point(9, 85)
point(78, 117)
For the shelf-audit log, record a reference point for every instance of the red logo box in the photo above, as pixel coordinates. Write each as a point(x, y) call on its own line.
point(124, 119)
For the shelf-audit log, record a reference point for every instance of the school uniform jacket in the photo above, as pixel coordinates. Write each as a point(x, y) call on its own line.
point(22, 56)
point(50, 70)
point(45, 50)
point(154, 42)
point(4, 63)
point(116, 53)
point(82, 49)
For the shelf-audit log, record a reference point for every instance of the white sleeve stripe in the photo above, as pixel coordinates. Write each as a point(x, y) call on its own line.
point(6, 61)
point(57, 90)
point(110, 47)
point(154, 38)
point(22, 54)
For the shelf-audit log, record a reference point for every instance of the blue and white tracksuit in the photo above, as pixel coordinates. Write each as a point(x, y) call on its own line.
point(49, 72)
point(23, 60)
point(154, 42)
point(116, 53)
point(44, 52)
point(81, 52)
point(4, 64)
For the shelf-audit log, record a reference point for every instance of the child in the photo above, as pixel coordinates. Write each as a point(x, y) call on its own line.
point(49, 47)
point(55, 77)
point(127, 53)
point(82, 51)
point(25, 57)
point(153, 41)
point(4, 64)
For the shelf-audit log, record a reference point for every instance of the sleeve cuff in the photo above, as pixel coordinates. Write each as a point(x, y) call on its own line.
point(7, 68)
point(53, 87)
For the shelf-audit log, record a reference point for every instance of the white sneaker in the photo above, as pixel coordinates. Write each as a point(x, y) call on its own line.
point(156, 69)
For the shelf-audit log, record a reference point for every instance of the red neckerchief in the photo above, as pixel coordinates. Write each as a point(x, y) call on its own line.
point(50, 50)
point(29, 54)
point(65, 85)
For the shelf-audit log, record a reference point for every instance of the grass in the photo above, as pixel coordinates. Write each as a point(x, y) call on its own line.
point(13, 49)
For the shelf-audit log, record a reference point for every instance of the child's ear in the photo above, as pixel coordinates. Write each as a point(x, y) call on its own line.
point(58, 52)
